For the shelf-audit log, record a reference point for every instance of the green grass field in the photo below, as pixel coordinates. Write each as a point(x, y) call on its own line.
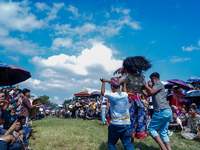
point(70, 134)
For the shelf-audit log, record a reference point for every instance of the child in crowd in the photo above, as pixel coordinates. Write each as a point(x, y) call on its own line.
point(175, 124)
point(184, 116)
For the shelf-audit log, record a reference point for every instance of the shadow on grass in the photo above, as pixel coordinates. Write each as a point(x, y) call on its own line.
point(138, 145)
point(104, 146)
point(142, 146)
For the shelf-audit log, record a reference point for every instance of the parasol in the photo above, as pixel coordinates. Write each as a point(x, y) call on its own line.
point(10, 74)
point(96, 93)
point(82, 94)
point(169, 85)
point(179, 83)
point(192, 93)
point(194, 79)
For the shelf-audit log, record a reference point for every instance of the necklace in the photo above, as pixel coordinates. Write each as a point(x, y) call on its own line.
point(195, 124)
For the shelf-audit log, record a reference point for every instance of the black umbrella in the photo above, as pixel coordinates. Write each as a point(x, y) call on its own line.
point(193, 93)
point(11, 75)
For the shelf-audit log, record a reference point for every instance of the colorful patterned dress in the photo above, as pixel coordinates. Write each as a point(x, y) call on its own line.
point(134, 84)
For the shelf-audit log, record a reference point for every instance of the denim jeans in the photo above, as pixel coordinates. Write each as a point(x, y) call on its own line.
point(3, 145)
point(76, 114)
point(160, 120)
point(103, 112)
point(15, 146)
point(27, 120)
point(122, 132)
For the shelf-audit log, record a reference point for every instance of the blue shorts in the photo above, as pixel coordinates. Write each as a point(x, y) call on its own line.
point(160, 120)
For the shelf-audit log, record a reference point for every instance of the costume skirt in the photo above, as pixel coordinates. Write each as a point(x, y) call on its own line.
point(137, 117)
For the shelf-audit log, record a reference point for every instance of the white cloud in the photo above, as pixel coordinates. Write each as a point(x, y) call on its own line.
point(66, 29)
point(3, 31)
point(109, 28)
point(74, 11)
point(65, 73)
point(107, 15)
point(176, 59)
point(198, 43)
point(41, 6)
point(34, 96)
point(33, 84)
point(113, 27)
point(153, 42)
point(121, 10)
point(87, 17)
point(20, 46)
point(56, 100)
point(14, 58)
point(97, 56)
point(190, 48)
point(61, 42)
point(17, 16)
point(52, 14)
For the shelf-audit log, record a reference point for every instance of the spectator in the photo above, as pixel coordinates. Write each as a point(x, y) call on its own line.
point(183, 116)
point(175, 124)
point(197, 109)
point(175, 98)
point(103, 110)
point(47, 112)
point(26, 105)
point(192, 131)
point(18, 109)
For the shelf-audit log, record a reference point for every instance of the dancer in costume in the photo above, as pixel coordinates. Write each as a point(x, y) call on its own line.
point(132, 70)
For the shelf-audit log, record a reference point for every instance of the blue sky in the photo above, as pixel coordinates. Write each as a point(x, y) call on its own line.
point(68, 45)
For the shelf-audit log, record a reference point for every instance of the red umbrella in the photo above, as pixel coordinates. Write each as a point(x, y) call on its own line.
point(13, 75)
point(82, 94)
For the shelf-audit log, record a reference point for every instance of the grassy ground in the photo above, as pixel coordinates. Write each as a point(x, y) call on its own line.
point(70, 134)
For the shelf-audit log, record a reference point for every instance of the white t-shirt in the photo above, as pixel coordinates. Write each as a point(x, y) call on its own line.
point(53, 111)
point(18, 109)
point(118, 107)
point(41, 110)
point(104, 102)
point(179, 122)
point(47, 111)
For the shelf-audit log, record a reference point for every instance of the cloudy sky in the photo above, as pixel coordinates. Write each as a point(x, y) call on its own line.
point(70, 44)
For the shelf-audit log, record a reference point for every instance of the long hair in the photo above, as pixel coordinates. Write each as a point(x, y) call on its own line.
point(137, 64)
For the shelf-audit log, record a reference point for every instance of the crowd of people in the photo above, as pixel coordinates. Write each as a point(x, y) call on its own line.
point(15, 130)
point(160, 115)
point(133, 108)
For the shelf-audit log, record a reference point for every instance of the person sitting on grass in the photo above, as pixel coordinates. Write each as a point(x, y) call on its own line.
point(184, 116)
point(18, 136)
point(192, 131)
point(120, 119)
point(175, 124)
point(197, 109)
point(7, 139)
